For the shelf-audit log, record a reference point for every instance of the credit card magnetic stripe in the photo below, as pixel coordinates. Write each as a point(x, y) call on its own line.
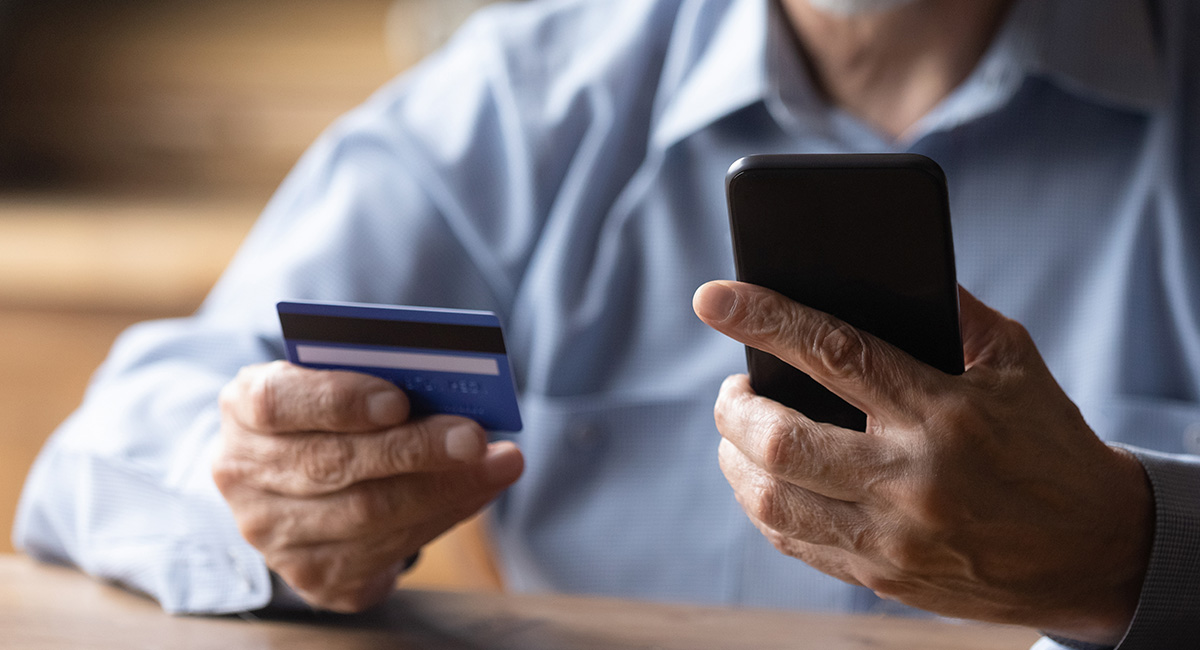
point(374, 331)
point(447, 361)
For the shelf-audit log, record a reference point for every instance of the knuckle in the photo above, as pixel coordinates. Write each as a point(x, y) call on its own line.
point(769, 505)
point(325, 460)
point(258, 530)
point(227, 473)
point(734, 404)
point(1018, 334)
point(779, 541)
point(1016, 344)
point(366, 507)
point(885, 587)
point(409, 450)
point(229, 395)
point(258, 396)
point(985, 382)
point(789, 520)
point(906, 553)
point(724, 407)
point(902, 553)
point(784, 445)
point(953, 410)
point(936, 512)
point(841, 349)
point(336, 401)
point(301, 570)
point(961, 428)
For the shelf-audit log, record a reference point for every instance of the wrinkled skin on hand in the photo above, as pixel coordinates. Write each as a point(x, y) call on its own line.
point(331, 480)
point(982, 496)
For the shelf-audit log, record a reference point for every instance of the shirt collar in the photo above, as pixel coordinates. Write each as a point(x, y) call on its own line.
point(1101, 50)
point(716, 66)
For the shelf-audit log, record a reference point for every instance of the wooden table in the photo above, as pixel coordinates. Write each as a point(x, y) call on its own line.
point(50, 608)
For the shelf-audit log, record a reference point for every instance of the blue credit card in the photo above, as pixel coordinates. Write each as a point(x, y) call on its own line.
point(446, 360)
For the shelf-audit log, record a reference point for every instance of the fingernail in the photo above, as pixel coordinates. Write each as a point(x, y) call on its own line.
point(385, 408)
point(503, 464)
point(714, 301)
point(464, 443)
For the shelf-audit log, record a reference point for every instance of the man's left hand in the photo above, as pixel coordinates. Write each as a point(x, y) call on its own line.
point(981, 496)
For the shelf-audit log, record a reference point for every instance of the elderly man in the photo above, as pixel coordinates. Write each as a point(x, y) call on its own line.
point(561, 163)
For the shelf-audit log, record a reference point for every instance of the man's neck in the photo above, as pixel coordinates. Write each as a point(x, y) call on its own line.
point(890, 68)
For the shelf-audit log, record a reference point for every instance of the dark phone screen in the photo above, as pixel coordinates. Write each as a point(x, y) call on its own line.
point(865, 238)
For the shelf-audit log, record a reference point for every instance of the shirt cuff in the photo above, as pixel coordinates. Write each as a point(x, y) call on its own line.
point(284, 598)
point(1168, 611)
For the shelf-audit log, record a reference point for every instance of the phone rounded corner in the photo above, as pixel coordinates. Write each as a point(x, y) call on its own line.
point(928, 165)
point(740, 166)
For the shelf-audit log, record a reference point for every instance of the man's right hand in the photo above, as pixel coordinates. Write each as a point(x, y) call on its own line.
point(329, 478)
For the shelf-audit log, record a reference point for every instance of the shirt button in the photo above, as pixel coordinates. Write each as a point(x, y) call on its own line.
point(1191, 439)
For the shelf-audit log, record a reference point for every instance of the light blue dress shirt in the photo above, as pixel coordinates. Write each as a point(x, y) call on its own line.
point(562, 164)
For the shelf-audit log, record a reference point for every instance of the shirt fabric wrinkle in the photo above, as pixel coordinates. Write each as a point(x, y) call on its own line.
point(592, 268)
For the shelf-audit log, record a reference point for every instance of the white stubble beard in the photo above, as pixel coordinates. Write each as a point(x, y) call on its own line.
point(855, 7)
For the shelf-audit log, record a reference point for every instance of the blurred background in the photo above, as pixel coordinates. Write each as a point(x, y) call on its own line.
point(139, 139)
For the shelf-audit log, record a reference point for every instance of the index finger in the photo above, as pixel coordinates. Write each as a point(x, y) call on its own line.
point(318, 463)
point(874, 376)
point(280, 397)
point(823, 458)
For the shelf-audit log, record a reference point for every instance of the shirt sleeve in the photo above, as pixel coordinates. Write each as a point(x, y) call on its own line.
point(435, 192)
point(1168, 612)
point(123, 489)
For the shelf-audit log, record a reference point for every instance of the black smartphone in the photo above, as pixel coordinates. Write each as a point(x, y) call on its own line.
point(864, 237)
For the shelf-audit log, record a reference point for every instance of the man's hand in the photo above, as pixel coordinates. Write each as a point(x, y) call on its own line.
point(329, 478)
point(980, 496)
